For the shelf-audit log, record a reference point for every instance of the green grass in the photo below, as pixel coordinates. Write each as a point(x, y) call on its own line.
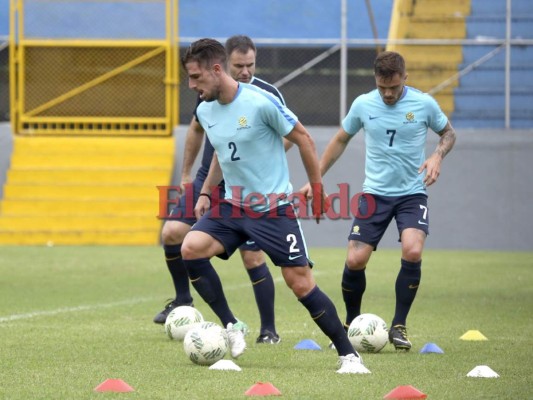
point(71, 317)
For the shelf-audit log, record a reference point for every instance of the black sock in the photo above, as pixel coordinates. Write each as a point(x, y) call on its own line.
point(353, 287)
point(324, 314)
point(263, 286)
point(177, 270)
point(207, 283)
point(406, 287)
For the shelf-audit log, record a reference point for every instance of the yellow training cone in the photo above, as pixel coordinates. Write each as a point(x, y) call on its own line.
point(473, 335)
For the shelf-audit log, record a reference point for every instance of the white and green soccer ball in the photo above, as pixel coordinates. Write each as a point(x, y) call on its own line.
point(368, 333)
point(180, 320)
point(206, 343)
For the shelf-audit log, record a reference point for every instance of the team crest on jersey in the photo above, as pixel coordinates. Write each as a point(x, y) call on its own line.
point(243, 123)
point(410, 117)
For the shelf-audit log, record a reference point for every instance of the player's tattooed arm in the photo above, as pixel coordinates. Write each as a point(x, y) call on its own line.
point(447, 140)
point(432, 164)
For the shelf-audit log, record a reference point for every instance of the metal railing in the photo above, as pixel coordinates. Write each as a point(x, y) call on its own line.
point(343, 43)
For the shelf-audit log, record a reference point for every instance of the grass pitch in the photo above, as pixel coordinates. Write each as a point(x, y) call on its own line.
point(72, 317)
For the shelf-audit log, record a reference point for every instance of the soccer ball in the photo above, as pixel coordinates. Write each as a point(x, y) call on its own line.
point(206, 343)
point(368, 333)
point(180, 320)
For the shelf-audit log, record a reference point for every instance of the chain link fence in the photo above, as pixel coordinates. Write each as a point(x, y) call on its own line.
point(112, 66)
point(314, 94)
point(94, 72)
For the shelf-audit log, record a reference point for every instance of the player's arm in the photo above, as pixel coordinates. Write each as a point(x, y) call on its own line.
point(447, 140)
point(433, 162)
point(193, 142)
point(214, 176)
point(306, 145)
point(334, 150)
point(287, 144)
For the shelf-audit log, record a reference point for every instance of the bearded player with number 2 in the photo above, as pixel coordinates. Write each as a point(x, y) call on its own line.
point(246, 126)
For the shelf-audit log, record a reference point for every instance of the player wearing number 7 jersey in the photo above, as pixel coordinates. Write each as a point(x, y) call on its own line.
point(395, 119)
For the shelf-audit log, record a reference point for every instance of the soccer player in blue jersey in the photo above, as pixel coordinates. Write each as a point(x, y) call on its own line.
point(241, 66)
point(245, 126)
point(395, 119)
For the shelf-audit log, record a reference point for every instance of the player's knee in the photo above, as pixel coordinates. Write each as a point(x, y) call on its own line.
point(173, 233)
point(300, 284)
point(302, 288)
point(356, 262)
point(188, 250)
point(412, 254)
point(412, 257)
point(358, 255)
point(252, 259)
point(199, 245)
point(299, 289)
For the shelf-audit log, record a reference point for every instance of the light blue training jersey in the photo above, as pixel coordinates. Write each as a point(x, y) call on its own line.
point(395, 139)
point(247, 137)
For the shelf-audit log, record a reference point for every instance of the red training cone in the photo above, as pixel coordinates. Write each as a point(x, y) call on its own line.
point(405, 392)
point(263, 389)
point(113, 385)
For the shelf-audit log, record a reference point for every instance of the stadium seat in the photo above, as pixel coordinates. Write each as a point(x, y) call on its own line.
point(85, 190)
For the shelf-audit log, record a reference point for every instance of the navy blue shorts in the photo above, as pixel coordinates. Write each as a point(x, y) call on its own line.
point(184, 211)
point(277, 233)
point(375, 213)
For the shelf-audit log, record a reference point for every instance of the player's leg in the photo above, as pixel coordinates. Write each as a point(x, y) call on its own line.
point(323, 312)
point(210, 237)
point(264, 290)
point(282, 239)
point(408, 279)
point(374, 215)
point(354, 278)
point(197, 250)
point(302, 283)
point(172, 235)
point(412, 220)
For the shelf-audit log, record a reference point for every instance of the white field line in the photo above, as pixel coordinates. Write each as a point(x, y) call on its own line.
point(64, 310)
point(15, 317)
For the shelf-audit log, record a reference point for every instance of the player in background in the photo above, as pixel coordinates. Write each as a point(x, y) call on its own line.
point(245, 126)
point(395, 119)
point(241, 66)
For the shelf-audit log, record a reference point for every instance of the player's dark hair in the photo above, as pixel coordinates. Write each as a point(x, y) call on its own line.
point(240, 43)
point(205, 52)
point(389, 63)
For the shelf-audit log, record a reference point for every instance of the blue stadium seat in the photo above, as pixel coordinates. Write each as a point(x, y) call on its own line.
point(480, 95)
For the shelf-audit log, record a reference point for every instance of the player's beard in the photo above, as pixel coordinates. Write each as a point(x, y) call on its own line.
point(211, 96)
point(391, 100)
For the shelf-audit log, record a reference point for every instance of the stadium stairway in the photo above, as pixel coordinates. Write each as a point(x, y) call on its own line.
point(85, 190)
point(480, 95)
point(428, 66)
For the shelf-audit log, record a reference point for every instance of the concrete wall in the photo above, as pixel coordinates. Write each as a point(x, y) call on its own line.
point(482, 200)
